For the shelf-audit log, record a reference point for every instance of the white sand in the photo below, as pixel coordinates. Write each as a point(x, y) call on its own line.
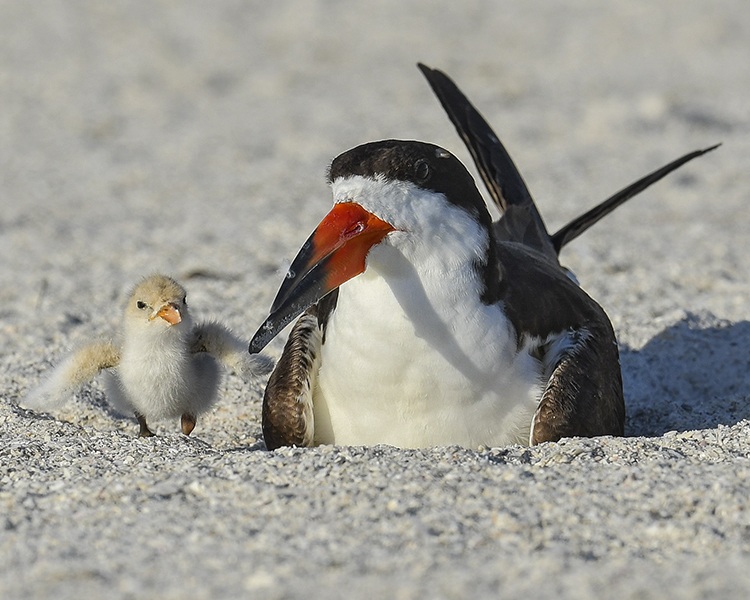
point(192, 138)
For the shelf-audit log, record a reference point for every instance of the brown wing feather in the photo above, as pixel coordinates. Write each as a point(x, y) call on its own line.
point(288, 400)
point(583, 396)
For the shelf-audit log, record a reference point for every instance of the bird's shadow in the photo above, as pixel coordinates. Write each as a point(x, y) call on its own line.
point(693, 375)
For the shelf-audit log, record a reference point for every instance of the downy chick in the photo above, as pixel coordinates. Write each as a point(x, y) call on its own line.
point(164, 367)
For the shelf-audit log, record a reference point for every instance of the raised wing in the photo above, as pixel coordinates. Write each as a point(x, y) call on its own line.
point(521, 220)
point(580, 224)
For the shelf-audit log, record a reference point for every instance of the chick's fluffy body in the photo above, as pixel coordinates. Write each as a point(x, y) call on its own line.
point(158, 376)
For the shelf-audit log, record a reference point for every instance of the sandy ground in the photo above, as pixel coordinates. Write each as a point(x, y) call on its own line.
point(192, 138)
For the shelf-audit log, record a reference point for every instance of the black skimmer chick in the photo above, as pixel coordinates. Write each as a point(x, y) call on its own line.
point(164, 366)
point(425, 323)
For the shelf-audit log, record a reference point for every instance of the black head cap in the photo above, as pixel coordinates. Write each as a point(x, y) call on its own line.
point(425, 165)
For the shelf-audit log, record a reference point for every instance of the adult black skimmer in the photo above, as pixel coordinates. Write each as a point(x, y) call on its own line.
point(424, 322)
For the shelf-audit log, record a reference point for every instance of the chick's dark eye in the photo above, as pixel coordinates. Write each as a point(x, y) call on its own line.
point(422, 170)
point(184, 300)
point(141, 304)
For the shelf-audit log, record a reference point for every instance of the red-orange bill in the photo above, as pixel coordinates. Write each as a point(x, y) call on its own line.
point(333, 254)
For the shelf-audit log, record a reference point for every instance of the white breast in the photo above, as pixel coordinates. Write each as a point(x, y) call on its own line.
point(417, 361)
point(159, 378)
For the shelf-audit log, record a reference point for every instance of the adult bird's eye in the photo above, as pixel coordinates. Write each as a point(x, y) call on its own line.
point(141, 304)
point(422, 170)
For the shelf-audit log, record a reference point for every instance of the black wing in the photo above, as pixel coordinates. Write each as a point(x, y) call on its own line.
point(580, 224)
point(521, 221)
point(570, 334)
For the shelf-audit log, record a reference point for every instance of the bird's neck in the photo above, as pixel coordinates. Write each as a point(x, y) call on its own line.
point(146, 341)
point(444, 267)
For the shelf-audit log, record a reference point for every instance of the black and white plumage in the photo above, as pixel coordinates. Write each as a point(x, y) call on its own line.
point(427, 323)
point(164, 366)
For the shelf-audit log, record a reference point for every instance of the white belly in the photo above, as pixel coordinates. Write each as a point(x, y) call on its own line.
point(399, 369)
point(164, 380)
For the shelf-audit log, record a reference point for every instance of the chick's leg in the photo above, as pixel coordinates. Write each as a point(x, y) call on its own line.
point(145, 431)
point(188, 423)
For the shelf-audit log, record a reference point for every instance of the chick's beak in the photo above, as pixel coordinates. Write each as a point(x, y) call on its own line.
point(170, 313)
point(335, 253)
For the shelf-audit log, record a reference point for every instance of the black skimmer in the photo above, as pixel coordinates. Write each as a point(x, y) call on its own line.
point(427, 324)
point(164, 366)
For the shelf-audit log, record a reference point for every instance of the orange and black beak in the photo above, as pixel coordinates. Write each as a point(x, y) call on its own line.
point(332, 255)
